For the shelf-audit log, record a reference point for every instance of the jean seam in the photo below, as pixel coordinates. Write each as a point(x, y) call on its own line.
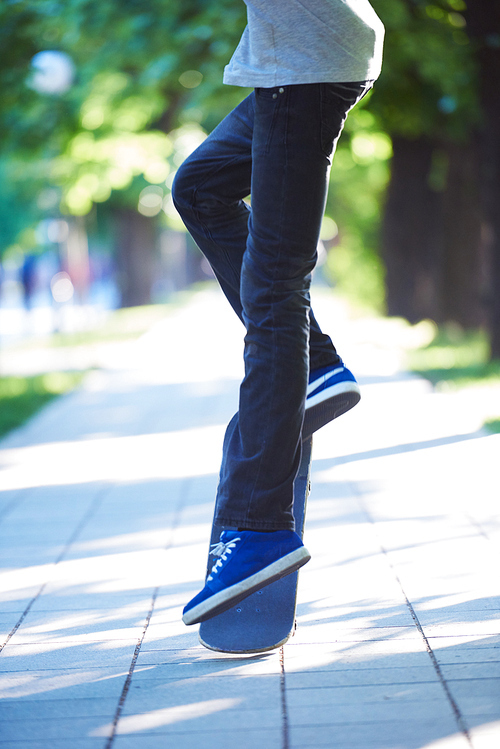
point(203, 225)
point(273, 305)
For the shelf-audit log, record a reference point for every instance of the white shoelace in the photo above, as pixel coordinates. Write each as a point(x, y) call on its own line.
point(220, 550)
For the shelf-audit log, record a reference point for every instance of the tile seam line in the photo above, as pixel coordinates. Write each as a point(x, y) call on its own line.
point(81, 525)
point(454, 706)
point(285, 736)
point(128, 680)
point(124, 693)
point(444, 683)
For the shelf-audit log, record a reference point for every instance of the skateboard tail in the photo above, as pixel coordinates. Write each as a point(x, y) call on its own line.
point(238, 651)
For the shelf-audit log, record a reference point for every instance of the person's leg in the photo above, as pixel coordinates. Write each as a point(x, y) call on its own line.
point(209, 191)
point(295, 129)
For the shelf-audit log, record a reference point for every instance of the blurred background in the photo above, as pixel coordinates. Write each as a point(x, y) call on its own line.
point(103, 99)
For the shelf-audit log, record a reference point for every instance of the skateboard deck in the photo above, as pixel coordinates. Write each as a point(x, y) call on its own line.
point(266, 619)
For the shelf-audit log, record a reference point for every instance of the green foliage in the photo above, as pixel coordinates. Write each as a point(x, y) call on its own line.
point(359, 177)
point(428, 84)
point(148, 84)
point(428, 87)
point(138, 71)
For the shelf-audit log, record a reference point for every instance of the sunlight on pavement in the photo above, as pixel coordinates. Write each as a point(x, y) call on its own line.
point(167, 716)
point(128, 571)
point(457, 741)
point(192, 452)
point(108, 500)
point(29, 684)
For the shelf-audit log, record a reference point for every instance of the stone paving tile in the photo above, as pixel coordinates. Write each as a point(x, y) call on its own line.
point(482, 610)
point(355, 656)
point(358, 695)
point(7, 622)
point(55, 743)
point(156, 650)
point(200, 662)
point(72, 598)
point(367, 677)
point(467, 645)
point(68, 654)
point(7, 498)
point(23, 555)
point(420, 713)
point(369, 617)
point(481, 687)
point(488, 626)
point(47, 730)
point(16, 604)
point(357, 672)
point(481, 670)
point(212, 714)
point(250, 692)
point(53, 684)
point(250, 738)
point(58, 627)
point(390, 735)
point(483, 654)
point(326, 632)
point(14, 710)
point(106, 636)
point(480, 708)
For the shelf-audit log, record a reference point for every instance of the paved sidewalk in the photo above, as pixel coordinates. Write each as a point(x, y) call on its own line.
point(106, 501)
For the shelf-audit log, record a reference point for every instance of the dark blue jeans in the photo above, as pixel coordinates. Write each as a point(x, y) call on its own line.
point(277, 146)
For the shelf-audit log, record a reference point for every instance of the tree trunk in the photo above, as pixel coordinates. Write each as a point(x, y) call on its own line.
point(411, 233)
point(483, 24)
point(461, 273)
point(432, 242)
point(136, 256)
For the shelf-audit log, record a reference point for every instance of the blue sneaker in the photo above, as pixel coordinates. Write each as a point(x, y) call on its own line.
point(246, 561)
point(331, 392)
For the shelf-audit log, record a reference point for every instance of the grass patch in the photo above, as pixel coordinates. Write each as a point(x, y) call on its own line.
point(22, 397)
point(456, 357)
point(493, 425)
point(457, 360)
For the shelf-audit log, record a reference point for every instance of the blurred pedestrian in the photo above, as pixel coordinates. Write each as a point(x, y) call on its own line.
point(29, 278)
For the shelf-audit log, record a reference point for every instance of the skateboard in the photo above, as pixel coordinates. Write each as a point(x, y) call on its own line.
point(266, 619)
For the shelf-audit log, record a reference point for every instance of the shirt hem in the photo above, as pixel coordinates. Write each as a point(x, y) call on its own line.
point(261, 80)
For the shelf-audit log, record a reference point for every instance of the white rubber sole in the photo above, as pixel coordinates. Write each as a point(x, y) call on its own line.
point(229, 597)
point(328, 404)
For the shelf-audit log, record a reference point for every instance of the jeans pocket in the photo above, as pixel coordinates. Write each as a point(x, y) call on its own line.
point(337, 99)
point(268, 103)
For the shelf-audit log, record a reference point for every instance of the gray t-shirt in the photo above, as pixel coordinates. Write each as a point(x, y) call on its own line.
point(307, 41)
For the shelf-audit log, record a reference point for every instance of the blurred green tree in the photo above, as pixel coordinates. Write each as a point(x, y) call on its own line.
point(426, 100)
point(128, 111)
point(140, 84)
